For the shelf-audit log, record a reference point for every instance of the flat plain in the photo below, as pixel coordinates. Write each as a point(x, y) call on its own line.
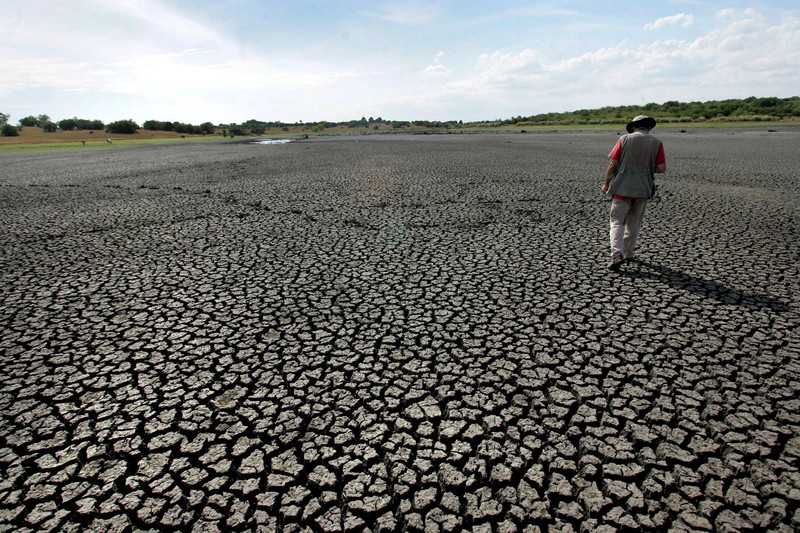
point(399, 333)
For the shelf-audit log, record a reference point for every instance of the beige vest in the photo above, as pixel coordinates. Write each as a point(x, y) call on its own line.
point(634, 177)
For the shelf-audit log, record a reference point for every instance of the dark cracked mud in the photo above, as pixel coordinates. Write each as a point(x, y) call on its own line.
point(399, 333)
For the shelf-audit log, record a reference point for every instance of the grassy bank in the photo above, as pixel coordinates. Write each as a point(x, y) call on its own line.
point(32, 139)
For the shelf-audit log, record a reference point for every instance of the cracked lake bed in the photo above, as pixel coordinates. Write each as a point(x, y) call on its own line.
point(399, 333)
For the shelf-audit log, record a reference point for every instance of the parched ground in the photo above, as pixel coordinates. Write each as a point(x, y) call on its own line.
point(387, 333)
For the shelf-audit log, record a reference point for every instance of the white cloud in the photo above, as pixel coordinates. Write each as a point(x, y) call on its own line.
point(502, 64)
point(159, 17)
point(437, 69)
point(163, 61)
point(743, 56)
point(158, 50)
point(727, 13)
point(681, 19)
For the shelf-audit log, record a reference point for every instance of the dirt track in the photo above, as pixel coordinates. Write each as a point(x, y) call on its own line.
point(399, 332)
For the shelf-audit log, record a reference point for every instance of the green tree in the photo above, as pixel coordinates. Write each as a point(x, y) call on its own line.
point(68, 124)
point(43, 119)
point(768, 102)
point(187, 128)
point(83, 124)
point(3, 119)
point(49, 127)
point(208, 128)
point(30, 121)
point(8, 130)
point(122, 126)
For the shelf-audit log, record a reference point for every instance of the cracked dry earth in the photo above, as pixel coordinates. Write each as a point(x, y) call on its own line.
point(389, 333)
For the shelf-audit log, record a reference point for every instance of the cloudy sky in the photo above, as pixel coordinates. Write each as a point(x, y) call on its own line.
point(227, 61)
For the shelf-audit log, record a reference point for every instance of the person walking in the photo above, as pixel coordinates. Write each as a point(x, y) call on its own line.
point(630, 180)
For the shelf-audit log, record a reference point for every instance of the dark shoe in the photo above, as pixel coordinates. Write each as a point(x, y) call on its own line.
point(630, 259)
point(615, 263)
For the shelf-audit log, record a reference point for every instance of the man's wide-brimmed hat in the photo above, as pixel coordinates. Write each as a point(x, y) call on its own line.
point(642, 121)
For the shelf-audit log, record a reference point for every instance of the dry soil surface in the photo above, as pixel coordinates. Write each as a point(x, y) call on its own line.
point(387, 333)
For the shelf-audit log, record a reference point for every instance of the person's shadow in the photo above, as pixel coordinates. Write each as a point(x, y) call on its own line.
point(701, 286)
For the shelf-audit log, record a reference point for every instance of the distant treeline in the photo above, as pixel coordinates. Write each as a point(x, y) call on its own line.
point(740, 110)
point(748, 109)
point(68, 124)
point(179, 127)
point(258, 127)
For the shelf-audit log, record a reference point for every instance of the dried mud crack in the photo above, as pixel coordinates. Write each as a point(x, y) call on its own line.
point(400, 333)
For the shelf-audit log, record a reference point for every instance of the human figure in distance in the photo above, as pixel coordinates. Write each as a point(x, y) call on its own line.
point(630, 180)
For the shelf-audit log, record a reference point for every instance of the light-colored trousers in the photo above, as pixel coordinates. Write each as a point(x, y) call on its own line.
point(626, 221)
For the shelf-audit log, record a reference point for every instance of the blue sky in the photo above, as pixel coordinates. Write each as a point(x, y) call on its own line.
point(228, 61)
